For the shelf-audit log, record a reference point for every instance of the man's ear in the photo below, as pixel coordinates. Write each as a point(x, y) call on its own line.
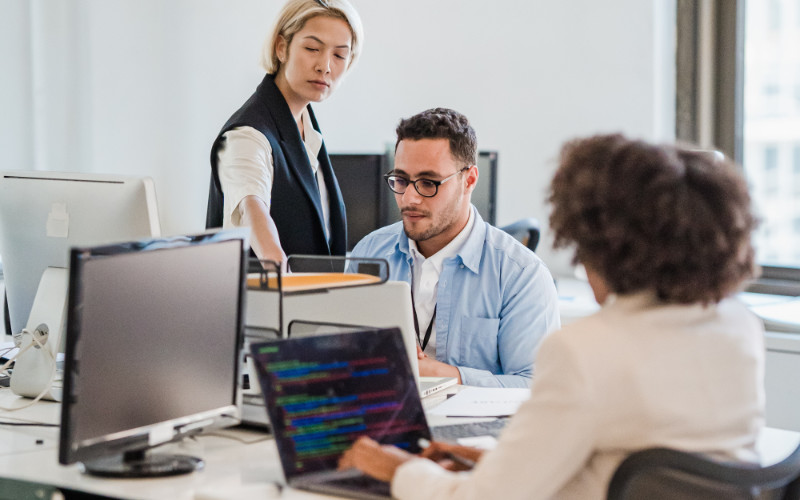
point(471, 177)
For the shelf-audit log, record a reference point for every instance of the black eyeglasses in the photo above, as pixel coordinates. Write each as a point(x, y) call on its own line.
point(425, 187)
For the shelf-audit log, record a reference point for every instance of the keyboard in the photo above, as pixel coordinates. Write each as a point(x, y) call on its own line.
point(456, 431)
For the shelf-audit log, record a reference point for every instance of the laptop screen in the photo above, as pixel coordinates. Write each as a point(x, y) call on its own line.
point(324, 392)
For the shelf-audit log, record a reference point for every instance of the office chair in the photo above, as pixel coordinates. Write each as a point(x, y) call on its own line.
point(526, 231)
point(661, 474)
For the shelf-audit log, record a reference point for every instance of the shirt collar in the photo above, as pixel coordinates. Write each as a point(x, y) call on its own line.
point(472, 249)
point(312, 139)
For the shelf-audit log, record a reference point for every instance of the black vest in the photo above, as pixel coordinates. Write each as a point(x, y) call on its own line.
point(296, 207)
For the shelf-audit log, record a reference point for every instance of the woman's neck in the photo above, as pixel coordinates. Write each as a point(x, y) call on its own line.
point(296, 103)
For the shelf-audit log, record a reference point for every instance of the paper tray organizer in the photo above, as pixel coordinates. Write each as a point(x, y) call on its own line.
point(312, 274)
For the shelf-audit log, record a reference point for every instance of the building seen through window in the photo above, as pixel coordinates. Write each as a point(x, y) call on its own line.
point(771, 136)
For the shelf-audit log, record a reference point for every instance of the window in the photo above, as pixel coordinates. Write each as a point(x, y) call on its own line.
point(770, 173)
point(746, 51)
point(770, 115)
point(796, 161)
point(773, 14)
point(770, 160)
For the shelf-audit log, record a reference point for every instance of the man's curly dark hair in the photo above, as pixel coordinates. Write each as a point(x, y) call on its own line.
point(667, 219)
point(442, 123)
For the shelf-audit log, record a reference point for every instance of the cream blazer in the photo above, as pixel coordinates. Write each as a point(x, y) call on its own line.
point(636, 374)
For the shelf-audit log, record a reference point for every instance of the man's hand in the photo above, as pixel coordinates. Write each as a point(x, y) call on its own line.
point(429, 367)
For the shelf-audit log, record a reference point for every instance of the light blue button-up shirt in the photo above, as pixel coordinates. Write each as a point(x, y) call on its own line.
point(496, 300)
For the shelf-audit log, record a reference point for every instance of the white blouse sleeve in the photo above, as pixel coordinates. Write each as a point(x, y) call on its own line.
point(245, 168)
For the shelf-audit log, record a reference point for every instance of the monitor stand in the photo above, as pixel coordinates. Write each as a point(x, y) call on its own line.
point(140, 463)
point(36, 373)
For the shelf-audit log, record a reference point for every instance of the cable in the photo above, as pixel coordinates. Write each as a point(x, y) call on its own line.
point(225, 435)
point(28, 424)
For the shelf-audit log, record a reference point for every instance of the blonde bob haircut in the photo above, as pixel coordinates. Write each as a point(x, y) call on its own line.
point(294, 16)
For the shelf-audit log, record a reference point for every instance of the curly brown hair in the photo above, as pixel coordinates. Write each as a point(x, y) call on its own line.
point(442, 123)
point(668, 219)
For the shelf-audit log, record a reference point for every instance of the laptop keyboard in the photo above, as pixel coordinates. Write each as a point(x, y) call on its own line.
point(363, 484)
point(456, 431)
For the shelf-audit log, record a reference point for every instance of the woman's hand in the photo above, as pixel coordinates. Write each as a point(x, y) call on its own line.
point(443, 453)
point(263, 232)
point(374, 459)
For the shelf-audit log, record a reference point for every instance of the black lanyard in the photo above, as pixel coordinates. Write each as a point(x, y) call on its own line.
point(422, 342)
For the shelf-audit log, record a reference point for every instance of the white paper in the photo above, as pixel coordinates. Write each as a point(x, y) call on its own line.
point(482, 402)
point(8, 350)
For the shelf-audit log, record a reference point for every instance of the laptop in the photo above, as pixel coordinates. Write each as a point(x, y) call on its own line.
point(323, 392)
point(432, 385)
point(427, 385)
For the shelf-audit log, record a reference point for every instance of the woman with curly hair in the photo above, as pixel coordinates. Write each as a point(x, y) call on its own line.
point(670, 360)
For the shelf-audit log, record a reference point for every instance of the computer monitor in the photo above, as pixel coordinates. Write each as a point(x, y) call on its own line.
point(484, 197)
point(364, 192)
point(154, 332)
point(43, 214)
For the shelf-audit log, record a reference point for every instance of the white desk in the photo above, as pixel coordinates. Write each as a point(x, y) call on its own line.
point(234, 469)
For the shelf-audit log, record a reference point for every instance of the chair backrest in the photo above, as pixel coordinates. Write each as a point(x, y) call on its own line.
point(661, 473)
point(526, 231)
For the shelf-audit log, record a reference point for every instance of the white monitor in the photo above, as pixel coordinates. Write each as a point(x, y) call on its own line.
point(43, 214)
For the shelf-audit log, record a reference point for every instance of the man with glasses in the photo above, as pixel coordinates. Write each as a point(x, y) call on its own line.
point(482, 301)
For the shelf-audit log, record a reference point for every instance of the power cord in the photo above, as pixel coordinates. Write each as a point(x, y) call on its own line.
point(232, 437)
point(28, 424)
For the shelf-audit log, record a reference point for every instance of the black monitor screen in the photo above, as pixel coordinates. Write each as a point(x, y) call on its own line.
point(153, 338)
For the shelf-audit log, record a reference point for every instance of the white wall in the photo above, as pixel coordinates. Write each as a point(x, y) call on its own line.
point(143, 86)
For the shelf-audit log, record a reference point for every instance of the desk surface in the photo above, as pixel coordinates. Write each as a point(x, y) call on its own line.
point(240, 464)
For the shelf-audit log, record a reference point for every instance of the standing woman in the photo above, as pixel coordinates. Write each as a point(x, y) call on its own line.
point(270, 170)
